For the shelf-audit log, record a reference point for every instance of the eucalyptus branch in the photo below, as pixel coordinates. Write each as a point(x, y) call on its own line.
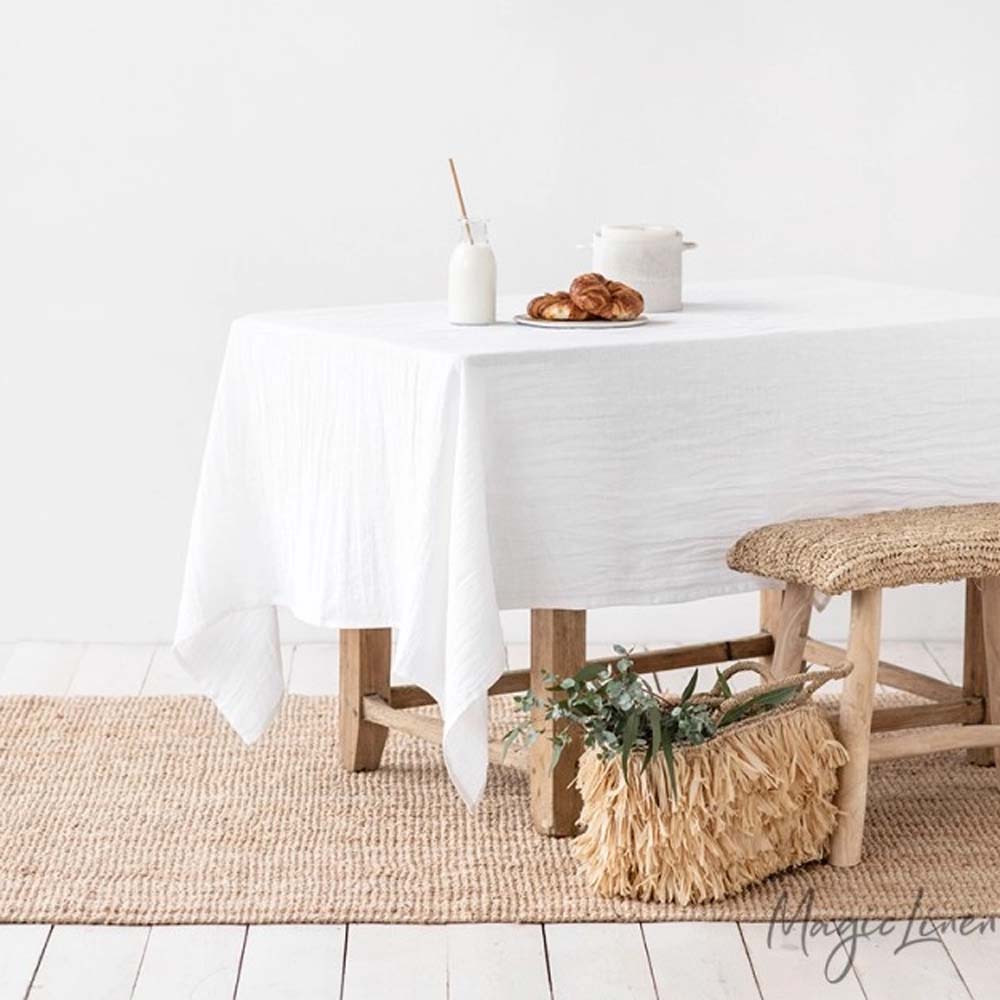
point(620, 715)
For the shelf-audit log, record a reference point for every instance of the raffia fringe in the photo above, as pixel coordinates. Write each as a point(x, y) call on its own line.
point(755, 800)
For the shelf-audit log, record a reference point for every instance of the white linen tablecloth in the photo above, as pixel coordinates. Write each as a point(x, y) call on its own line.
point(374, 466)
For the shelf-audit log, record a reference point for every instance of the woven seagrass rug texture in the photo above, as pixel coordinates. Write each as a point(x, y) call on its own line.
point(150, 810)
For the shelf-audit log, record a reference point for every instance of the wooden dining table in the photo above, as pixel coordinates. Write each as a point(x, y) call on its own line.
point(375, 470)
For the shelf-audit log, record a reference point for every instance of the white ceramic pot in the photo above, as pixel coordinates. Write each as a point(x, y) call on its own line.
point(646, 257)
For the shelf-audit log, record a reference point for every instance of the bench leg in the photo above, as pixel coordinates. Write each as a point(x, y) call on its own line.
point(770, 612)
point(559, 647)
point(974, 662)
point(792, 631)
point(364, 669)
point(990, 593)
point(856, 704)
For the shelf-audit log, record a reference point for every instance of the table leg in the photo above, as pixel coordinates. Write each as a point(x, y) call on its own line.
point(364, 670)
point(559, 647)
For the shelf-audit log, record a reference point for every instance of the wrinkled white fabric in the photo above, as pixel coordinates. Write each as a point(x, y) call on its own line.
point(374, 466)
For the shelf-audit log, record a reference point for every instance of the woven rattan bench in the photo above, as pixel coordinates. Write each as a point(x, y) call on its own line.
point(863, 555)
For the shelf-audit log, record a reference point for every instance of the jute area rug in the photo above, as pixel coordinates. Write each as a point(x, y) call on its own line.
point(150, 810)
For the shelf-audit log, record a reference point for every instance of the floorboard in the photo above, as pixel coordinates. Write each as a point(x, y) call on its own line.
point(788, 967)
point(21, 947)
point(948, 656)
point(914, 655)
point(111, 670)
point(599, 961)
point(41, 668)
point(287, 657)
point(389, 960)
point(924, 969)
point(166, 676)
point(90, 963)
point(314, 669)
point(292, 962)
point(196, 962)
point(703, 960)
point(975, 950)
point(497, 962)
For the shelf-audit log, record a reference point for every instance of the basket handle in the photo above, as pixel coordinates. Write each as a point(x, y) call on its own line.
point(809, 681)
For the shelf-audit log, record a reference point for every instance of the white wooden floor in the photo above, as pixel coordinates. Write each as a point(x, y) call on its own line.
point(693, 961)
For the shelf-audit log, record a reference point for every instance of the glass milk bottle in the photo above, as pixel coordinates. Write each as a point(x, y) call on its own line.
point(472, 276)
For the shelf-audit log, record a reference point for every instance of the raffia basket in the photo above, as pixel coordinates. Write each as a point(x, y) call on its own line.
point(753, 800)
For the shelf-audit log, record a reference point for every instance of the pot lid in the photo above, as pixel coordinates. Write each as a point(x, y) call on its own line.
point(635, 233)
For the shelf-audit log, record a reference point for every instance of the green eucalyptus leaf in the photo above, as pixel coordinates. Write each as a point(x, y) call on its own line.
point(723, 683)
point(559, 741)
point(508, 741)
point(689, 687)
point(629, 734)
point(668, 756)
point(655, 719)
point(589, 673)
point(760, 702)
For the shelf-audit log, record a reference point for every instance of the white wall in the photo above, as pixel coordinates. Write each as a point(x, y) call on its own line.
point(166, 167)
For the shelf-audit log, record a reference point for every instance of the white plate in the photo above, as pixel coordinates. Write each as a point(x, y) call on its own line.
point(588, 324)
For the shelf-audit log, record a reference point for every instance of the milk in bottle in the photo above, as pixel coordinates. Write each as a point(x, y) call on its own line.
point(472, 277)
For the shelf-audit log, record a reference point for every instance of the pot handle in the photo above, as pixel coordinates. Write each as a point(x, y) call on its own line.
point(688, 245)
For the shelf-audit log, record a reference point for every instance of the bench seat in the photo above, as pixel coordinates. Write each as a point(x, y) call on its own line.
point(892, 548)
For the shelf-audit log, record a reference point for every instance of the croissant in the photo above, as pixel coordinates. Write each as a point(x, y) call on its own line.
point(606, 299)
point(555, 305)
